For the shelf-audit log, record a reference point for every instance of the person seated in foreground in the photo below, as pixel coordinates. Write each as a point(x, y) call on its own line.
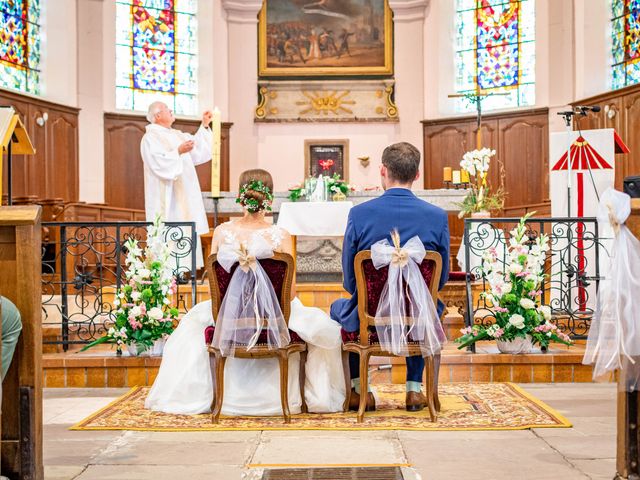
point(398, 208)
point(11, 328)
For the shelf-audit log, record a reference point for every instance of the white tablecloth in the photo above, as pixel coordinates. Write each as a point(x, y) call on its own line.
point(314, 219)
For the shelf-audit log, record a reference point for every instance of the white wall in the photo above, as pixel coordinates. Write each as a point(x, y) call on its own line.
point(59, 44)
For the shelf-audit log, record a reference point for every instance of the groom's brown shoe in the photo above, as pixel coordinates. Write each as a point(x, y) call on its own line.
point(354, 401)
point(415, 401)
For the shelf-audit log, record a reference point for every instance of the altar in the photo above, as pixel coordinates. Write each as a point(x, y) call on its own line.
point(319, 226)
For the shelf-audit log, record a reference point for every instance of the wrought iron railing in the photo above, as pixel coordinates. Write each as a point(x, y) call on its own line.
point(574, 263)
point(83, 265)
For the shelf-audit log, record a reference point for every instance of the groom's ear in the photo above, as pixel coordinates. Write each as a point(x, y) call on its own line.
point(417, 176)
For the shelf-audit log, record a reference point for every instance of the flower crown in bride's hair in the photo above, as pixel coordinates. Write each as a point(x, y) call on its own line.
point(254, 205)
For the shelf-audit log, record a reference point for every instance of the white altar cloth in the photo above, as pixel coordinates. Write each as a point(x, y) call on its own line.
point(314, 219)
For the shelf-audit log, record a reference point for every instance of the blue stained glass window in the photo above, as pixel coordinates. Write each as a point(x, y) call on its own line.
point(156, 54)
point(495, 52)
point(20, 45)
point(625, 43)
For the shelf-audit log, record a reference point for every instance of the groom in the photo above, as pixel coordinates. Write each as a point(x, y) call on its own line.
point(372, 221)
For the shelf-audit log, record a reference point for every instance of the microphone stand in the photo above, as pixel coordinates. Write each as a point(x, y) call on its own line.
point(567, 121)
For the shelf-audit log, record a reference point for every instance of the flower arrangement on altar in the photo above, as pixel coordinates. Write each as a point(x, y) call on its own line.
point(335, 187)
point(143, 314)
point(475, 165)
point(515, 292)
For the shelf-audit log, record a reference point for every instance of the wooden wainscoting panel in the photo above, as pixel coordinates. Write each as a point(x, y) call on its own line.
point(444, 145)
point(53, 170)
point(524, 149)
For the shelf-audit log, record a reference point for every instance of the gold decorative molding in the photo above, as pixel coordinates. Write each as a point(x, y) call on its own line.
point(326, 101)
point(392, 108)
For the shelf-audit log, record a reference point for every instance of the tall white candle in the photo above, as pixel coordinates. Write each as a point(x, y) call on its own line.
point(215, 154)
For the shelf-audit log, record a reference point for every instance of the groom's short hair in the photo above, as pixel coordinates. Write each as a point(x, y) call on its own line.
point(402, 161)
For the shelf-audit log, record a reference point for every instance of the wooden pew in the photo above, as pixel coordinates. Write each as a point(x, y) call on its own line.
point(20, 270)
point(628, 445)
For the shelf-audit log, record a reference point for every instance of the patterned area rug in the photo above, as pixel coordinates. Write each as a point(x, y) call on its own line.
point(465, 406)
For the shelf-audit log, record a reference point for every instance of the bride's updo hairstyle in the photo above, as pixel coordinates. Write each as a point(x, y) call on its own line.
point(256, 190)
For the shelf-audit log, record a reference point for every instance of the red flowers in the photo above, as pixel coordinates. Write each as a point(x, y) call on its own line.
point(326, 164)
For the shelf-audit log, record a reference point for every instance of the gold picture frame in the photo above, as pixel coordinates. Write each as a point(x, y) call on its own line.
point(336, 150)
point(273, 52)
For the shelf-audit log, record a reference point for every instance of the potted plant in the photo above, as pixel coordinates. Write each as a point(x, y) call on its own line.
point(144, 317)
point(515, 282)
point(480, 200)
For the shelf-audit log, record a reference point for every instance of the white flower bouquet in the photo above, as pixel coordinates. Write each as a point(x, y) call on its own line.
point(515, 292)
point(143, 304)
point(480, 198)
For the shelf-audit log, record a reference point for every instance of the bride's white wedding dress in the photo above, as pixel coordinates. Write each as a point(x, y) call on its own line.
point(251, 386)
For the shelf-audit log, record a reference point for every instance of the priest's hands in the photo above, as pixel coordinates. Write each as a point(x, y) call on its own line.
point(186, 147)
point(207, 116)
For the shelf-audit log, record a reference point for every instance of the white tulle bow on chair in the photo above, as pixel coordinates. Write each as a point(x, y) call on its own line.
point(250, 303)
point(614, 336)
point(406, 311)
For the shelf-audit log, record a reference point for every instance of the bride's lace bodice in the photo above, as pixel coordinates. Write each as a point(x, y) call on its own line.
point(232, 234)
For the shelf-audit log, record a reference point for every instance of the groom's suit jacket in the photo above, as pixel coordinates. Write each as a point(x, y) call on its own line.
point(373, 221)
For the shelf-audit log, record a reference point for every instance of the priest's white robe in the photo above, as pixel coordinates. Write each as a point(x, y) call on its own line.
point(171, 187)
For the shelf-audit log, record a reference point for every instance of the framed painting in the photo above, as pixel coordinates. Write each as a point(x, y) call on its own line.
point(320, 38)
point(326, 157)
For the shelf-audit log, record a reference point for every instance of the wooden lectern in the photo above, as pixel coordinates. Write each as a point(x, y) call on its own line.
point(627, 464)
point(20, 282)
point(13, 140)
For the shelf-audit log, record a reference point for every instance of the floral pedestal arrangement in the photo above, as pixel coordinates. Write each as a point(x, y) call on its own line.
point(515, 282)
point(144, 317)
point(480, 200)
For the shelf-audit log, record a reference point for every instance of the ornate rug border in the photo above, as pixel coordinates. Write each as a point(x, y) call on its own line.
point(562, 421)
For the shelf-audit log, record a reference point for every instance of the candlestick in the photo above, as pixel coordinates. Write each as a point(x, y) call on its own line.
point(464, 176)
point(447, 174)
point(216, 124)
point(456, 177)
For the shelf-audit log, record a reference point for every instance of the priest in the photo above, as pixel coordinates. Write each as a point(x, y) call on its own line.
point(171, 187)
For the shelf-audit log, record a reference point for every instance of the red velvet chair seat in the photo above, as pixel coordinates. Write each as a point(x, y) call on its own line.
point(460, 276)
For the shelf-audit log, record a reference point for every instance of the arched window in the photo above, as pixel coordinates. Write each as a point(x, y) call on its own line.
point(495, 52)
point(156, 46)
point(625, 46)
point(20, 45)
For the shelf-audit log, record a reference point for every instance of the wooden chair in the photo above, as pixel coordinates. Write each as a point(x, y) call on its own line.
point(369, 284)
point(279, 269)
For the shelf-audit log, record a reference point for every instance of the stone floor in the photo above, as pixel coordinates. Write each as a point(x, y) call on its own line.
point(586, 451)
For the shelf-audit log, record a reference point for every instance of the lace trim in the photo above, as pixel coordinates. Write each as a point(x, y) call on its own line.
point(273, 233)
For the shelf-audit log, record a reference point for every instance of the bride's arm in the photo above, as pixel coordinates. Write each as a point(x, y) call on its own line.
point(287, 247)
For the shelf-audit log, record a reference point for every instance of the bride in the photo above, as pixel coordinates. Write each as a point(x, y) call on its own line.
point(251, 386)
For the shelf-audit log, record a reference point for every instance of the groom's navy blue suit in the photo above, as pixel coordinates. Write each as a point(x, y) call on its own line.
point(373, 221)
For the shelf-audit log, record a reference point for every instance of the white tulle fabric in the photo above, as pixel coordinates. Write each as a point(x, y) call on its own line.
point(614, 336)
point(250, 303)
point(405, 287)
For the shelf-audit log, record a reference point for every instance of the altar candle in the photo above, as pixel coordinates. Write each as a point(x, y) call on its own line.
point(456, 177)
point(464, 176)
point(216, 124)
point(447, 174)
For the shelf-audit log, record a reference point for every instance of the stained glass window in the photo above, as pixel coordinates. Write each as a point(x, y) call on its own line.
point(156, 47)
point(20, 45)
point(495, 52)
point(625, 47)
